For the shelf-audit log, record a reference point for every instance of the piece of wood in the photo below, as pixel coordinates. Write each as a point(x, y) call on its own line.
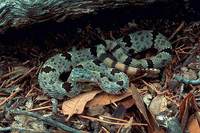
point(19, 13)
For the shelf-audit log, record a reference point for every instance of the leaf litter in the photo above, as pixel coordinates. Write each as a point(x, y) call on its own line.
point(167, 98)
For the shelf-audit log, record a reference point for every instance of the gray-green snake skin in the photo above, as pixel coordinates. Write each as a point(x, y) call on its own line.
point(105, 65)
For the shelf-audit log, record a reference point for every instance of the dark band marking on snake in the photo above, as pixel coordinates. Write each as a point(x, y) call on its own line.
point(107, 65)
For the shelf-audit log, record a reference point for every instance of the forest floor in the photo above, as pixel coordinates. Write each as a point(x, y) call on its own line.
point(149, 102)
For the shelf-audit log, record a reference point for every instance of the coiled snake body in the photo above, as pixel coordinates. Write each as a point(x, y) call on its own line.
point(104, 65)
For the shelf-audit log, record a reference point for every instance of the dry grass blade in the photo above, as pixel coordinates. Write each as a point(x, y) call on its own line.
point(113, 123)
point(11, 96)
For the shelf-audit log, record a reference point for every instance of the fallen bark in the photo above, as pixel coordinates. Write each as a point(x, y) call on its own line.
point(19, 13)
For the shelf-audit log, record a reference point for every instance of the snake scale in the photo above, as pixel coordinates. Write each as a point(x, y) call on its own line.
point(106, 65)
